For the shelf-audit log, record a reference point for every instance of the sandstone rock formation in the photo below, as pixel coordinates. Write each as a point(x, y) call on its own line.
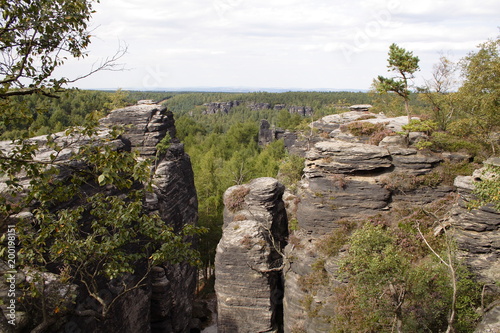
point(220, 107)
point(476, 230)
point(345, 179)
point(164, 304)
point(249, 256)
point(225, 107)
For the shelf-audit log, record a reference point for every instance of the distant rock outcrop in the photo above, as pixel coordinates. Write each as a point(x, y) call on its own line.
point(220, 107)
point(225, 107)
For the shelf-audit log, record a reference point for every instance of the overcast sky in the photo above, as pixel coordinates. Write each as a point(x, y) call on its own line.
point(289, 44)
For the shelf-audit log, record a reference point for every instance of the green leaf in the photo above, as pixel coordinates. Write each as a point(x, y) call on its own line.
point(101, 179)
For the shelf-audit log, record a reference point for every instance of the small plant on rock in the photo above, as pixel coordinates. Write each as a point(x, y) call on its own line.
point(236, 199)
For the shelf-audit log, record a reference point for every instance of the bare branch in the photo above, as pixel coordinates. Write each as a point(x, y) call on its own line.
point(108, 64)
point(265, 271)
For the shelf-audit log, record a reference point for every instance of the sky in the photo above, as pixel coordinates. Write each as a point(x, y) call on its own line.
point(275, 44)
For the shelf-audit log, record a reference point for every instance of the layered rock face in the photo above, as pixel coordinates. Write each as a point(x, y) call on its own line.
point(249, 258)
point(165, 303)
point(476, 230)
point(169, 303)
point(347, 178)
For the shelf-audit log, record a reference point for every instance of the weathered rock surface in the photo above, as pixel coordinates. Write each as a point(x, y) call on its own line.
point(490, 322)
point(249, 290)
point(477, 230)
point(346, 180)
point(323, 200)
point(164, 304)
point(334, 121)
point(337, 156)
point(220, 107)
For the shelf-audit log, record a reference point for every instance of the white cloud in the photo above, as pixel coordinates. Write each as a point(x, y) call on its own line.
point(282, 43)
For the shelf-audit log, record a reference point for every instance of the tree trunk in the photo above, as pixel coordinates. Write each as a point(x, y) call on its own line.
point(407, 108)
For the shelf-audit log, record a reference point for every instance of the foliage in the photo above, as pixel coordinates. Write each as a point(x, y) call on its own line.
point(417, 125)
point(479, 95)
point(163, 145)
point(311, 282)
point(443, 141)
point(38, 115)
point(405, 64)
point(236, 199)
point(89, 222)
point(488, 189)
point(331, 243)
point(288, 120)
point(37, 36)
point(291, 170)
point(388, 274)
point(223, 158)
point(438, 92)
point(391, 276)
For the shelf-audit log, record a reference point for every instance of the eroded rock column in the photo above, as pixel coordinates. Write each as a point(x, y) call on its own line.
point(248, 261)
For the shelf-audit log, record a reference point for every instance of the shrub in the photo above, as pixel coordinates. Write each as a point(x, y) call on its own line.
point(488, 190)
point(417, 125)
point(331, 243)
point(236, 199)
point(378, 136)
point(293, 224)
point(362, 128)
point(448, 142)
point(462, 127)
point(163, 145)
point(318, 277)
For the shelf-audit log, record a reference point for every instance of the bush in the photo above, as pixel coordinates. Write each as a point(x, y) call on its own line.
point(362, 128)
point(390, 282)
point(331, 243)
point(488, 190)
point(417, 125)
point(462, 127)
point(236, 199)
point(448, 142)
point(376, 137)
point(318, 277)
